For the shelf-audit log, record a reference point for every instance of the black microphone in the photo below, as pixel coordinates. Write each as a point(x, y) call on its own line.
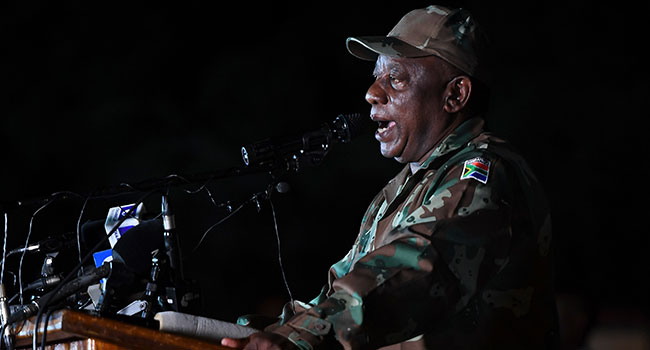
point(48, 245)
point(28, 310)
point(23, 312)
point(341, 130)
point(43, 283)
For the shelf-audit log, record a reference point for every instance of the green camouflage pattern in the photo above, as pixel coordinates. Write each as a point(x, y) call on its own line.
point(441, 262)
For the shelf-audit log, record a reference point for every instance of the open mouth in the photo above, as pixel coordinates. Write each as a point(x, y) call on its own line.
point(384, 125)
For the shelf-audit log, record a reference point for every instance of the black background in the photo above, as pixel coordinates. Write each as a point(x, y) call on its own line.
point(108, 93)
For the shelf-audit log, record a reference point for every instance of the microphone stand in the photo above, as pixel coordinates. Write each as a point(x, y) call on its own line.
point(170, 240)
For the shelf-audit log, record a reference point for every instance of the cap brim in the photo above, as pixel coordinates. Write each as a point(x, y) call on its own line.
point(369, 47)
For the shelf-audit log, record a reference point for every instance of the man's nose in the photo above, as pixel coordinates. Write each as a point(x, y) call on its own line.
point(376, 94)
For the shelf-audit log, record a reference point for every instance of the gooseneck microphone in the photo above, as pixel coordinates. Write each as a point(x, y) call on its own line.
point(341, 130)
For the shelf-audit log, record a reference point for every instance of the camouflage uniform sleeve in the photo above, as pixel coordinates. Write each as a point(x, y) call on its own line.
point(452, 241)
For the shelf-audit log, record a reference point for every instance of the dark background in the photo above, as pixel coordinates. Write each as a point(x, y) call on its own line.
point(106, 93)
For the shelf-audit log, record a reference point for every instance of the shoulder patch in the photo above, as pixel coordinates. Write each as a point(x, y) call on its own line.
point(476, 168)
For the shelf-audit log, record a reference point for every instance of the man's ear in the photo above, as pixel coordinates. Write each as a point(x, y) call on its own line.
point(457, 94)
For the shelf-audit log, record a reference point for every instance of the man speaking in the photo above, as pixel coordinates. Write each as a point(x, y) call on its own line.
point(454, 252)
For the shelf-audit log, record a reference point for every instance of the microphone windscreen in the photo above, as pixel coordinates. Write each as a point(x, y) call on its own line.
point(92, 232)
point(136, 245)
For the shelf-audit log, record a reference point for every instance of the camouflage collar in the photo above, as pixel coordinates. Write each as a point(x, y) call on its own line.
point(458, 138)
point(455, 140)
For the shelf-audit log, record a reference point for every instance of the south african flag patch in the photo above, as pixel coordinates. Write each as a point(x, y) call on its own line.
point(476, 168)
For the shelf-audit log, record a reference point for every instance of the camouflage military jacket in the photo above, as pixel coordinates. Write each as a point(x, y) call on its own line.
point(455, 256)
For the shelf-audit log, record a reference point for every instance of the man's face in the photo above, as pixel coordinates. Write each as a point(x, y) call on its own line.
point(407, 102)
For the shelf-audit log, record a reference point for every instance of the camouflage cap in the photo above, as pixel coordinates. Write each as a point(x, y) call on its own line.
point(451, 34)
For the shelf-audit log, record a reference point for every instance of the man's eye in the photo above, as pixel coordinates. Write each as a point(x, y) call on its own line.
point(396, 82)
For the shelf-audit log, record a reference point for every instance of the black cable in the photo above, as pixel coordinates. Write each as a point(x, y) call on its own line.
point(224, 219)
point(47, 320)
point(81, 213)
point(22, 256)
point(277, 236)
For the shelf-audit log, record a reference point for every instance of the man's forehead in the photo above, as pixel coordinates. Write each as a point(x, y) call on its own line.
point(386, 63)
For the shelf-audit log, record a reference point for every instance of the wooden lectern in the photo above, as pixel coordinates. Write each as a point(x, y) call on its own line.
point(75, 330)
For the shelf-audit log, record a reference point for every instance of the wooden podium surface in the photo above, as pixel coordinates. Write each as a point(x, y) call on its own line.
point(75, 330)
